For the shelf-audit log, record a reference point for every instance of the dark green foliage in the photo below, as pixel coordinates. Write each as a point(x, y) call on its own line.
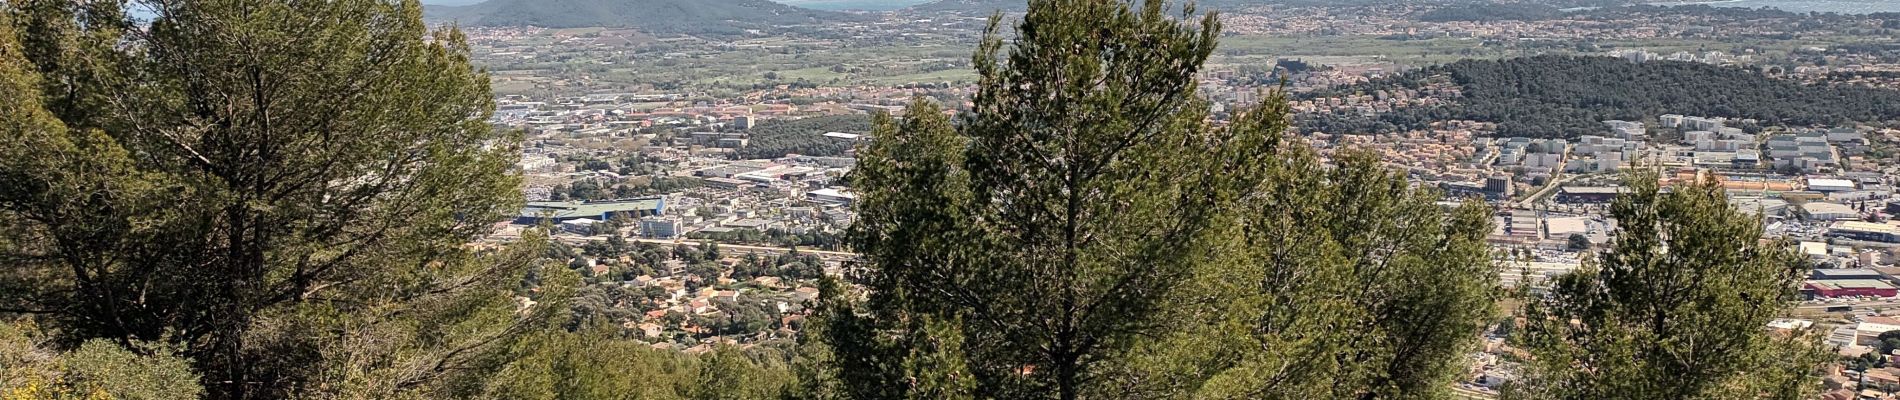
point(1577, 242)
point(936, 365)
point(1295, 66)
point(1889, 341)
point(97, 369)
point(1051, 222)
point(224, 185)
point(731, 375)
point(1676, 309)
point(696, 17)
point(1867, 361)
point(1086, 236)
point(1566, 96)
point(592, 364)
point(776, 138)
point(608, 189)
point(239, 176)
point(1337, 283)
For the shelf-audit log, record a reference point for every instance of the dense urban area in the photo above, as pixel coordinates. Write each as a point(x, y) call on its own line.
point(699, 177)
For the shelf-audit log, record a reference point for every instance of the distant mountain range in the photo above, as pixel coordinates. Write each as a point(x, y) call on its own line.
point(1019, 5)
point(985, 6)
point(652, 16)
point(856, 5)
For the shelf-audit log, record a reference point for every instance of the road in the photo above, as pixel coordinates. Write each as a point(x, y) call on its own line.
point(1530, 201)
point(1856, 306)
point(746, 248)
point(580, 240)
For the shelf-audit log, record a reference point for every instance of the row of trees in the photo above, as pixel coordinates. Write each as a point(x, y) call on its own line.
point(592, 189)
point(283, 195)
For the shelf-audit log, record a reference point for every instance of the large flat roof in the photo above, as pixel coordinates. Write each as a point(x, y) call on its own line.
point(1830, 182)
point(1829, 208)
point(1591, 189)
point(1845, 272)
point(564, 209)
point(1852, 284)
point(1864, 226)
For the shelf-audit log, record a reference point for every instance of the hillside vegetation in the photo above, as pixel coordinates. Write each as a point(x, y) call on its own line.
point(1567, 96)
point(776, 138)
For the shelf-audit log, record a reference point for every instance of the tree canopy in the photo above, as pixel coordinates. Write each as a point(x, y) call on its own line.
point(777, 138)
point(1569, 96)
point(1676, 308)
point(236, 176)
point(1342, 283)
point(1073, 235)
point(291, 199)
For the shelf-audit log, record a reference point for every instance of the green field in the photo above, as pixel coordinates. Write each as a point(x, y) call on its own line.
point(739, 66)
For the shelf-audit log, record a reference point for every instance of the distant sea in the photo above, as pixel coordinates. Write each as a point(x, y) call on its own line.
point(1802, 6)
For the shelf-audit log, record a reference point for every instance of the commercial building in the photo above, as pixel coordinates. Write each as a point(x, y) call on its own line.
point(844, 137)
point(558, 212)
point(1766, 207)
point(1825, 185)
point(1867, 231)
point(1500, 185)
point(726, 183)
point(1850, 288)
point(752, 224)
point(659, 227)
point(582, 226)
point(1746, 159)
point(831, 196)
point(1587, 194)
point(1564, 227)
point(1844, 274)
point(1867, 331)
point(1823, 211)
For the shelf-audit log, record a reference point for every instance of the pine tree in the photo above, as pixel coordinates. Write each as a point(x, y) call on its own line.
point(286, 190)
point(1338, 282)
point(1677, 308)
point(1051, 221)
point(935, 368)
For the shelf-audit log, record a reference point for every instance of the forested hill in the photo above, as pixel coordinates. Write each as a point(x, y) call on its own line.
point(653, 16)
point(1567, 96)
